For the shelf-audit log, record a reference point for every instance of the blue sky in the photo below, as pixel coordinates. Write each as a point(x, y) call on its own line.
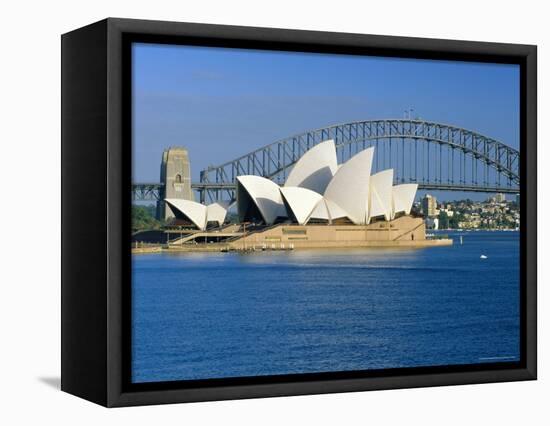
point(222, 103)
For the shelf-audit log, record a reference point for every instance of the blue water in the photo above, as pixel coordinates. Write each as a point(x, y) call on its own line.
point(214, 315)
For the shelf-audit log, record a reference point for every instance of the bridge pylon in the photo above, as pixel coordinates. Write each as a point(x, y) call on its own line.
point(175, 178)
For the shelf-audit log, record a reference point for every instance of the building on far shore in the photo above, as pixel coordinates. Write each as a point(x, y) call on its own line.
point(497, 198)
point(429, 206)
point(500, 198)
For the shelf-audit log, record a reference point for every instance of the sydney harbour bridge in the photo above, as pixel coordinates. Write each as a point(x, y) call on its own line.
point(435, 156)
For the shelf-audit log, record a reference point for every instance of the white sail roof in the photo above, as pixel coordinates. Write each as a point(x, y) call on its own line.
point(216, 212)
point(335, 211)
point(381, 195)
point(195, 212)
point(327, 210)
point(349, 188)
point(320, 211)
point(403, 197)
point(301, 202)
point(350, 191)
point(315, 169)
point(264, 193)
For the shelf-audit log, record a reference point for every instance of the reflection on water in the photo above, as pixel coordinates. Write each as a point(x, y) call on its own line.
point(206, 315)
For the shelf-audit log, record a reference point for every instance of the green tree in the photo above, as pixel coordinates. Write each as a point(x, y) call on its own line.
point(443, 220)
point(143, 218)
point(453, 221)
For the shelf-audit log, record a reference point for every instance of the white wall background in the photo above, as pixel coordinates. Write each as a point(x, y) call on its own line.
point(30, 270)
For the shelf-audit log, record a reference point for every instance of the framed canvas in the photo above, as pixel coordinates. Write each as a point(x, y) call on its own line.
point(256, 212)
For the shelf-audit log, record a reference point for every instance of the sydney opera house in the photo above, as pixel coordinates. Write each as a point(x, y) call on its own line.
point(321, 204)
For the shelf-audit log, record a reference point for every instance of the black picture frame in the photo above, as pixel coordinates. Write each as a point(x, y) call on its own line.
point(96, 179)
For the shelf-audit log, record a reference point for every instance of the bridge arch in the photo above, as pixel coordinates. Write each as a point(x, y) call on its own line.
point(434, 155)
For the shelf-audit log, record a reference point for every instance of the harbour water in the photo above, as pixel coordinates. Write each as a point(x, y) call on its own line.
point(215, 315)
